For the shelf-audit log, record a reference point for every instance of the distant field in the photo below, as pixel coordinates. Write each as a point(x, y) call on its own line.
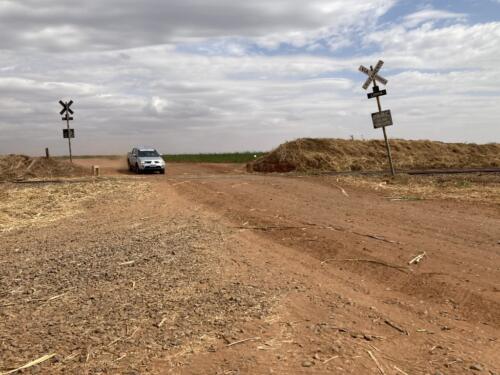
point(235, 157)
point(112, 157)
point(230, 157)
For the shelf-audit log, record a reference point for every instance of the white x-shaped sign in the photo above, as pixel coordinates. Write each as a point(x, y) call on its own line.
point(373, 74)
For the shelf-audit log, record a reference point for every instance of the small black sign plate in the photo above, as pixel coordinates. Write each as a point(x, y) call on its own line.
point(376, 94)
point(68, 133)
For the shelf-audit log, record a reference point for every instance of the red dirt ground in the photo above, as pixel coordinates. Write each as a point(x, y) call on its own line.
point(280, 275)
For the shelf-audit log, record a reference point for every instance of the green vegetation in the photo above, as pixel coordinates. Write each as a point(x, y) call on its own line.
point(235, 157)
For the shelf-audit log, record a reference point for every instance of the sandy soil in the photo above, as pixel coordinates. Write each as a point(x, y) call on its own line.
point(207, 270)
point(116, 167)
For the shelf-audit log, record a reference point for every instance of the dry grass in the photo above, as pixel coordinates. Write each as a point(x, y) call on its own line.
point(20, 167)
point(131, 284)
point(39, 205)
point(321, 155)
point(469, 188)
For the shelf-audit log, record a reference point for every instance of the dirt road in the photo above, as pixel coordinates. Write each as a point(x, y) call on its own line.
point(209, 270)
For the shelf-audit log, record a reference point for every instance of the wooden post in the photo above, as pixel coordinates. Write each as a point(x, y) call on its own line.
point(47, 154)
point(389, 155)
point(69, 138)
point(387, 145)
point(66, 109)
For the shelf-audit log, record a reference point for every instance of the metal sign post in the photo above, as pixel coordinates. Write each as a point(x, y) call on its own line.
point(68, 132)
point(381, 119)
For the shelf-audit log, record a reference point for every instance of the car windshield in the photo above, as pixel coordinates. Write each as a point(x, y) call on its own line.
point(149, 153)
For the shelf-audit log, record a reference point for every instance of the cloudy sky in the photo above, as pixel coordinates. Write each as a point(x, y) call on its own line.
point(229, 75)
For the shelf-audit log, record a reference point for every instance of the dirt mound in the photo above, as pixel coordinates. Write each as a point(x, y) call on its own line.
point(316, 155)
point(20, 167)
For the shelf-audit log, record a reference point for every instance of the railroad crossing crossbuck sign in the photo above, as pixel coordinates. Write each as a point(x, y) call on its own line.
point(373, 74)
point(66, 109)
point(68, 132)
point(380, 119)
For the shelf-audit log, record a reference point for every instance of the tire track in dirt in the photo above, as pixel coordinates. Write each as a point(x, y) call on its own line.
point(440, 293)
point(238, 300)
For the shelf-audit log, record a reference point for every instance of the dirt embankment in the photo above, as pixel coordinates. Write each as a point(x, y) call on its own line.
point(21, 167)
point(339, 155)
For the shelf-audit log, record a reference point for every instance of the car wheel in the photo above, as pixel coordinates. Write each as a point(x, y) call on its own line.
point(162, 171)
point(137, 170)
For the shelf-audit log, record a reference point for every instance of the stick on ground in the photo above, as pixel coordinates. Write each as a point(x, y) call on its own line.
point(342, 190)
point(399, 370)
point(418, 258)
point(376, 362)
point(396, 327)
point(30, 364)
point(269, 228)
point(242, 341)
point(330, 359)
point(161, 323)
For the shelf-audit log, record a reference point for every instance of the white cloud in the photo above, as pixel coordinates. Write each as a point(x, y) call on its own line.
point(451, 47)
point(211, 76)
point(430, 14)
point(56, 24)
point(158, 105)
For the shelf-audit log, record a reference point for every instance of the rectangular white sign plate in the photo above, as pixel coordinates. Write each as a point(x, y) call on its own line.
point(382, 119)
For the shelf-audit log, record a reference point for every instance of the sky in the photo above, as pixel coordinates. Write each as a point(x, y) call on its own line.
point(191, 76)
